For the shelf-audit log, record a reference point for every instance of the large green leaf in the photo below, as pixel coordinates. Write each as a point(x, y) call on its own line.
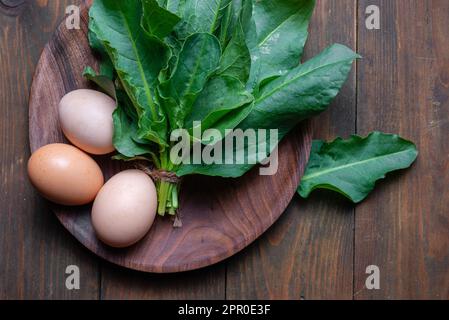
point(236, 59)
point(175, 46)
point(124, 132)
point(106, 65)
point(352, 167)
point(200, 16)
point(137, 57)
point(170, 5)
point(229, 21)
point(276, 36)
point(197, 60)
point(156, 20)
point(223, 96)
point(302, 93)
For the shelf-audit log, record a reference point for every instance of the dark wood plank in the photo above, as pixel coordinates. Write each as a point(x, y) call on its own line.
point(120, 283)
point(308, 254)
point(403, 227)
point(34, 248)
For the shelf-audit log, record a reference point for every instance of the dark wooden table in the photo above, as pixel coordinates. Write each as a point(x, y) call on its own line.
point(321, 247)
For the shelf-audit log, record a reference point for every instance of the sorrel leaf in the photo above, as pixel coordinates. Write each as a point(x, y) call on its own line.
point(352, 167)
point(137, 58)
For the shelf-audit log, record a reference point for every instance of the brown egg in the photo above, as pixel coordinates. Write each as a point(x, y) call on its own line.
point(125, 208)
point(65, 175)
point(86, 119)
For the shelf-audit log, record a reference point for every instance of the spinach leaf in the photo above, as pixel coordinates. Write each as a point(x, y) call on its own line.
point(276, 36)
point(223, 96)
point(228, 120)
point(175, 48)
point(126, 104)
point(200, 16)
point(170, 5)
point(236, 59)
point(137, 57)
point(352, 167)
point(283, 103)
point(106, 65)
point(302, 93)
point(124, 132)
point(157, 21)
point(152, 130)
point(229, 21)
point(197, 60)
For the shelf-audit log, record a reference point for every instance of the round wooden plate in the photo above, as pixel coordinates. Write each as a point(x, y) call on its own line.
point(220, 216)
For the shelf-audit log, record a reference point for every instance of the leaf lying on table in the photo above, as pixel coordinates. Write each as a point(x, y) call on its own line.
point(352, 167)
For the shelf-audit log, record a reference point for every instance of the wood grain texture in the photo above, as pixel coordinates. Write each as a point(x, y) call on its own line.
point(234, 213)
point(308, 254)
point(207, 283)
point(403, 227)
point(34, 253)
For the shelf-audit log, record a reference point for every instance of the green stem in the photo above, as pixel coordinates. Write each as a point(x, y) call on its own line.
point(167, 191)
point(174, 201)
point(163, 197)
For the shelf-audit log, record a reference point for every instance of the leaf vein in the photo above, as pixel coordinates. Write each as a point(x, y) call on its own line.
point(348, 165)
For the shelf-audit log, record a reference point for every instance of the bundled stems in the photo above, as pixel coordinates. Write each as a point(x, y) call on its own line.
point(167, 184)
point(167, 190)
point(167, 198)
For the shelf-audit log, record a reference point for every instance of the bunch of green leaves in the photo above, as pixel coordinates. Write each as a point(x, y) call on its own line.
point(231, 64)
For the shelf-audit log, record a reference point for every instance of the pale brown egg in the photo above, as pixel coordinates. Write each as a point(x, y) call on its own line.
point(125, 208)
point(65, 175)
point(86, 120)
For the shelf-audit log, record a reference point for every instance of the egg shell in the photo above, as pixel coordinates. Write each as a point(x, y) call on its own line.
point(86, 119)
point(65, 175)
point(125, 208)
